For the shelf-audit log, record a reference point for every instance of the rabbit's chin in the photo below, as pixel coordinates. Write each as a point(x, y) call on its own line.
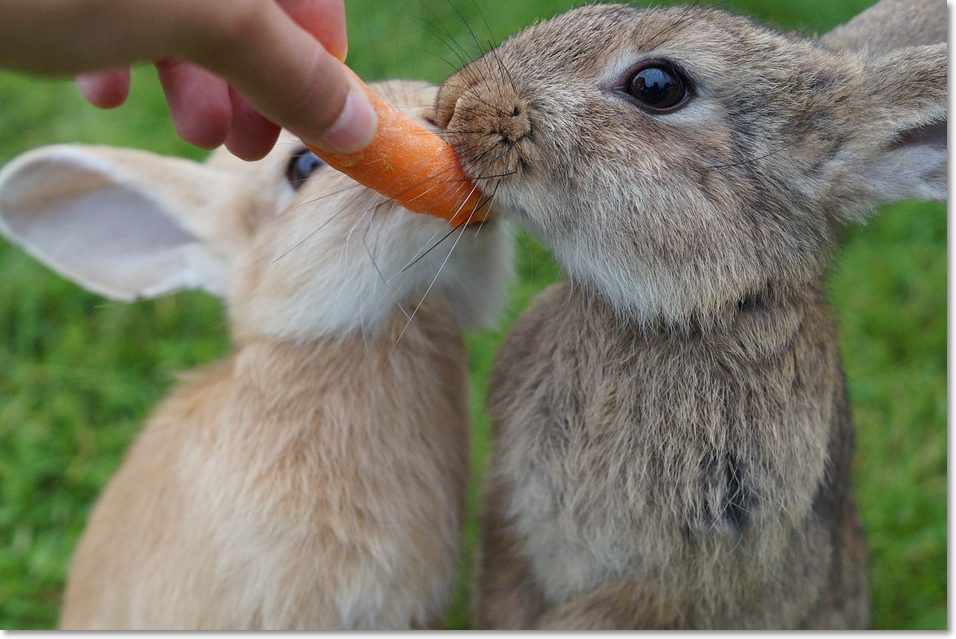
point(359, 286)
point(645, 291)
point(649, 296)
point(622, 267)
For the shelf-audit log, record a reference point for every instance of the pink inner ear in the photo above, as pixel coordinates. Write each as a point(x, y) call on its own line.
point(109, 237)
point(932, 135)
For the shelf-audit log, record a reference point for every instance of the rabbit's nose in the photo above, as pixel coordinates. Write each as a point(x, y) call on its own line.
point(515, 125)
point(482, 108)
point(487, 122)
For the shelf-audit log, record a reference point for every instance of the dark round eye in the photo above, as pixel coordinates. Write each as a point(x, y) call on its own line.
point(302, 165)
point(658, 87)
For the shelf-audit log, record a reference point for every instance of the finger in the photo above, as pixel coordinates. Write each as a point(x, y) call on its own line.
point(251, 136)
point(288, 76)
point(198, 101)
point(324, 19)
point(105, 89)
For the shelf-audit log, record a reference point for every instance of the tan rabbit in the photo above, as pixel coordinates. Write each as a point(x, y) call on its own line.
point(315, 478)
point(672, 440)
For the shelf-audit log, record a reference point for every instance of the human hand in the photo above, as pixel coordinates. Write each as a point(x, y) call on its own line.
point(229, 68)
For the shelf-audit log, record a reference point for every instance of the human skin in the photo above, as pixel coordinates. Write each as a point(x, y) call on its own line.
point(233, 71)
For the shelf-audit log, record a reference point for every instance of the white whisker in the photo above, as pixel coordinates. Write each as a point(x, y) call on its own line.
point(431, 285)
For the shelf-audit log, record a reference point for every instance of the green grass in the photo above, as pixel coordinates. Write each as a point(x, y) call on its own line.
point(78, 374)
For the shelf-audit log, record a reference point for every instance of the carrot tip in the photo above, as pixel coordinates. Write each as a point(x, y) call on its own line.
point(408, 163)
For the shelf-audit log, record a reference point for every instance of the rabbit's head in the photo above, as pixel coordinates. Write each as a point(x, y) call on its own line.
point(682, 161)
point(297, 249)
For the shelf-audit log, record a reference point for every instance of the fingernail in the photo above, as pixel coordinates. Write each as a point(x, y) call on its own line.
point(354, 128)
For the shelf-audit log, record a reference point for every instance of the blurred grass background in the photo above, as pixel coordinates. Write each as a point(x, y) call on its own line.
point(78, 374)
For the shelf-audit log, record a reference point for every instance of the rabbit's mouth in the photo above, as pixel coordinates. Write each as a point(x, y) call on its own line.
point(491, 129)
point(491, 155)
point(427, 121)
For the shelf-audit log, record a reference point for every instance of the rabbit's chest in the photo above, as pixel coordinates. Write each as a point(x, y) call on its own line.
point(340, 509)
point(659, 464)
point(359, 538)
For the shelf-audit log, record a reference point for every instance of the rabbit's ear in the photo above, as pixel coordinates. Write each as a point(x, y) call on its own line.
point(903, 151)
point(124, 224)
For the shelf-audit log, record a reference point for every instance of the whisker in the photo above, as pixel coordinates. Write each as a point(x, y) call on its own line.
point(385, 201)
point(484, 19)
point(473, 92)
point(671, 28)
point(464, 20)
point(747, 161)
point(491, 204)
point(442, 58)
point(498, 176)
point(319, 198)
point(477, 208)
point(418, 258)
point(370, 212)
point(492, 47)
point(308, 237)
point(448, 183)
point(422, 251)
point(431, 285)
point(435, 27)
point(504, 67)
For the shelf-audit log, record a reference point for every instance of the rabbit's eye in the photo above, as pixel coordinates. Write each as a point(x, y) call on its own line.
point(302, 165)
point(658, 87)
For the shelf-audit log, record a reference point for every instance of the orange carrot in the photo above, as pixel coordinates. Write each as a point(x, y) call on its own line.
point(410, 164)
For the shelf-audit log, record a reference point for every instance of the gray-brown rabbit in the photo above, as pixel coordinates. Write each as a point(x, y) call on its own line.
point(672, 440)
point(892, 24)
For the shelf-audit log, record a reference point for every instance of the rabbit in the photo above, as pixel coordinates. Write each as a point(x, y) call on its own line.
point(315, 478)
point(892, 24)
point(671, 435)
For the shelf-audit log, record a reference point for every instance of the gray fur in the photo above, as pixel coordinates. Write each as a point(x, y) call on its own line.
point(672, 437)
point(711, 473)
point(892, 24)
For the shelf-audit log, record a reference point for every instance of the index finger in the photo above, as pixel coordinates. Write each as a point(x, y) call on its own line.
point(284, 71)
point(324, 19)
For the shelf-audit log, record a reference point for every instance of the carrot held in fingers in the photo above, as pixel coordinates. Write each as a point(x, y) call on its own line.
point(411, 165)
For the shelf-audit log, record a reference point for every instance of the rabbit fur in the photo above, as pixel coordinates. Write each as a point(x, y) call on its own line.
point(892, 24)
